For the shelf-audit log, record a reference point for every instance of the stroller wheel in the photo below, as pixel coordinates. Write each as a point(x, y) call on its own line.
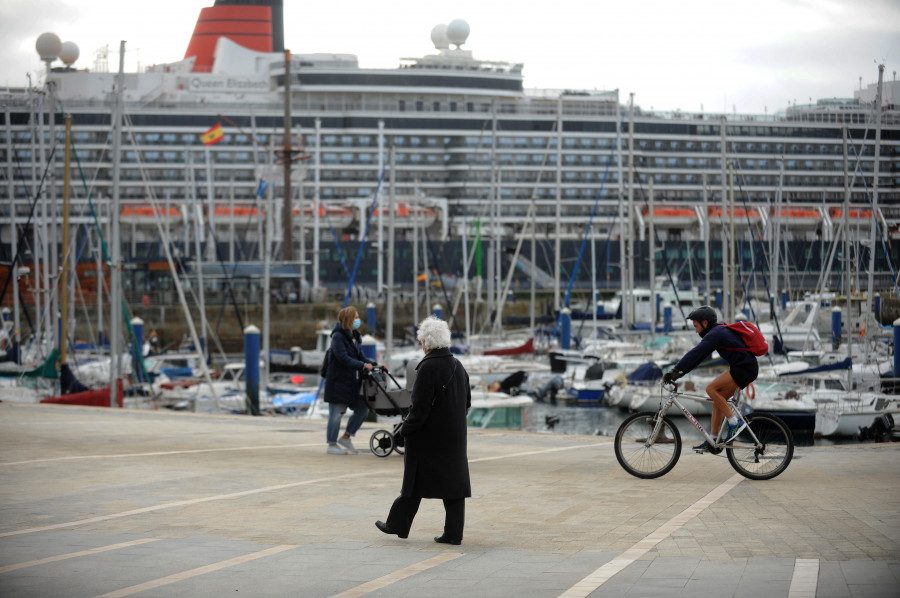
point(381, 443)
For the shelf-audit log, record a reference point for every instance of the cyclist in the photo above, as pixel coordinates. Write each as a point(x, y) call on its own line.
point(742, 371)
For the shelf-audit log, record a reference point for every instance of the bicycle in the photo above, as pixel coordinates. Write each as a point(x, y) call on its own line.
point(648, 444)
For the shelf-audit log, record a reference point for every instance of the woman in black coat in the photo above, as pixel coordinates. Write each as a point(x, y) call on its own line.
point(434, 431)
point(342, 382)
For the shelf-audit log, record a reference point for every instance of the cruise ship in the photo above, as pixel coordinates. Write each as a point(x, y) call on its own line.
point(458, 145)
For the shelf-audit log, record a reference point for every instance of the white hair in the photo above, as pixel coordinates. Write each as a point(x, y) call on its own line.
point(434, 333)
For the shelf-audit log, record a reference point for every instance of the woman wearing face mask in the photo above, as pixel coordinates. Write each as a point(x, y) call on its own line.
point(342, 382)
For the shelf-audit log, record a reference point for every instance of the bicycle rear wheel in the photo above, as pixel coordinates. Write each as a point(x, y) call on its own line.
point(641, 460)
point(767, 459)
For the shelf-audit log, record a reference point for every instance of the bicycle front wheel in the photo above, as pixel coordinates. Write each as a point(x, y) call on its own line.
point(765, 459)
point(641, 460)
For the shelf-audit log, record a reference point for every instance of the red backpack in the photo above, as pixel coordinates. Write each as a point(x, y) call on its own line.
point(752, 337)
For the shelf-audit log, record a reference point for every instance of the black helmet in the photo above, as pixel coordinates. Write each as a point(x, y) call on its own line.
point(704, 313)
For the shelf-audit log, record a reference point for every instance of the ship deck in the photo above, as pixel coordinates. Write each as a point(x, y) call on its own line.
point(152, 503)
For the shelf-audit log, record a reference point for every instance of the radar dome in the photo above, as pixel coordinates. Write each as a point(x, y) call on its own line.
point(457, 32)
point(48, 46)
point(439, 37)
point(69, 53)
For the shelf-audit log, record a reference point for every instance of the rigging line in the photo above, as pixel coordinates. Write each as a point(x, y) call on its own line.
point(362, 242)
point(153, 202)
point(875, 215)
point(665, 261)
point(337, 243)
point(585, 235)
point(436, 262)
point(228, 277)
point(37, 196)
point(763, 255)
point(141, 370)
point(529, 221)
point(484, 205)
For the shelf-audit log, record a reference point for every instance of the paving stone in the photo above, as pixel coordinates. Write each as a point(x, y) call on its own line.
point(544, 516)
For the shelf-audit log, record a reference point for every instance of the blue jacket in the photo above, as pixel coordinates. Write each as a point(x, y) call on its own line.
point(716, 338)
point(342, 381)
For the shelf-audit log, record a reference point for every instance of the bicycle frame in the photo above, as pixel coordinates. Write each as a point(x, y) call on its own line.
point(672, 399)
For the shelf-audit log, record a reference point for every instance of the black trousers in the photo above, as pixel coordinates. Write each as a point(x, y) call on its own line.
point(404, 510)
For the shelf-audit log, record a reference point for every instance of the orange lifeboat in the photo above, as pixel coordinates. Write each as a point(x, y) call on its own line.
point(142, 214)
point(329, 216)
point(717, 212)
point(671, 216)
point(798, 216)
point(798, 213)
point(223, 215)
point(836, 213)
point(669, 212)
point(407, 215)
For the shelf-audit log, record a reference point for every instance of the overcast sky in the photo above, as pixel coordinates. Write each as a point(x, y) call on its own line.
point(752, 56)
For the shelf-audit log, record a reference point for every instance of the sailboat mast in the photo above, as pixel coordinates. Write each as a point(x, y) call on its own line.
point(389, 328)
point(732, 246)
point(64, 268)
point(652, 243)
point(726, 263)
point(628, 258)
point(13, 236)
point(317, 184)
point(845, 222)
point(874, 237)
point(115, 273)
point(706, 237)
point(288, 245)
point(557, 250)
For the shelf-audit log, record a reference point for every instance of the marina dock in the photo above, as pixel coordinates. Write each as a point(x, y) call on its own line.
point(100, 502)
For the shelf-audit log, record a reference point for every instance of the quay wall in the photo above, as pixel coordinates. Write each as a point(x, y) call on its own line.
point(297, 324)
point(290, 324)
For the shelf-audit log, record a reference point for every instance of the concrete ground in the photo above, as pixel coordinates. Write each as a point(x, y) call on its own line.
point(99, 502)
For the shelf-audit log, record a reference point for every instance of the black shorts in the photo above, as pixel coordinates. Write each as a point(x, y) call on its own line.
point(744, 375)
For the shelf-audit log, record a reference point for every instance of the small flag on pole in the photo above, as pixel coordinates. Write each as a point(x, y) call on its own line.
point(214, 135)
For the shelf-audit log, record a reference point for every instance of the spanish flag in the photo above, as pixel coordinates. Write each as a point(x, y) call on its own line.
point(213, 136)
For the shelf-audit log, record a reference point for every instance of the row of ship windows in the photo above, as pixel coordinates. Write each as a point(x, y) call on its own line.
point(482, 142)
point(521, 184)
point(502, 159)
point(521, 197)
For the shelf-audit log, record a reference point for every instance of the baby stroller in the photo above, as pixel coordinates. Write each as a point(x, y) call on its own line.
point(385, 402)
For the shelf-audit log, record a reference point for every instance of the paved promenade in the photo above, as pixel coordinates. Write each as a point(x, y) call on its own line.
point(99, 502)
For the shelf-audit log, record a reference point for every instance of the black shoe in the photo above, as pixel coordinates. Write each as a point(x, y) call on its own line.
point(446, 540)
point(388, 530)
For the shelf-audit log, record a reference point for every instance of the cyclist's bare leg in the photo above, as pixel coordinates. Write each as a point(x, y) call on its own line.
point(720, 390)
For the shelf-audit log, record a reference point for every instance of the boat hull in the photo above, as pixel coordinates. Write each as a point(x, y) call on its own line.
point(89, 398)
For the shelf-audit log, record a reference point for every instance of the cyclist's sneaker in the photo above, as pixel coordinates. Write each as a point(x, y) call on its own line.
point(733, 432)
point(702, 448)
